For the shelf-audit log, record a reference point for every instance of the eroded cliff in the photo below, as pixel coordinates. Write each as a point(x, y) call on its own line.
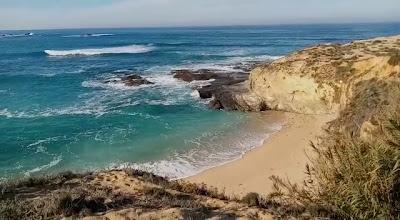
point(321, 79)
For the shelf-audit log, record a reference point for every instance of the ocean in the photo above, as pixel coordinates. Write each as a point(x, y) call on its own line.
point(60, 111)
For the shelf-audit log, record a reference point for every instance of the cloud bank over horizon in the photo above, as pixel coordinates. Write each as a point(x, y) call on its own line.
point(42, 14)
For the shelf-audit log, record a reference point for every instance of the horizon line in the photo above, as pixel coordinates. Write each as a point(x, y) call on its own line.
point(206, 26)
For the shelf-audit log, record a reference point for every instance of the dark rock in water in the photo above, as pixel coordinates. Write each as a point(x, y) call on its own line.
point(215, 104)
point(132, 77)
point(237, 97)
point(189, 75)
point(131, 80)
point(206, 92)
point(135, 80)
point(218, 85)
point(225, 98)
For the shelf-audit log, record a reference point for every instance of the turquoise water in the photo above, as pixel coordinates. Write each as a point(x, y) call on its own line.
point(56, 112)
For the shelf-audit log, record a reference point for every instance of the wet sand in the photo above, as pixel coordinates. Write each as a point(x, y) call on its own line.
point(282, 154)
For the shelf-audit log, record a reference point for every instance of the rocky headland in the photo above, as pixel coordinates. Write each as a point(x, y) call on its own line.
point(323, 79)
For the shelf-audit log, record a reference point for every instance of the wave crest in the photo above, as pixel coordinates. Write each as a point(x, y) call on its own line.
point(16, 35)
point(130, 49)
point(207, 151)
point(88, 35)
point(55, 161)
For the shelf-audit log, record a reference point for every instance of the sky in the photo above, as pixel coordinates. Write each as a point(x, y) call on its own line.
point(49, 14)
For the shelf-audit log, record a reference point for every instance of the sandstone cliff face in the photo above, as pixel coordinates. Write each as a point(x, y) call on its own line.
point(321, 79)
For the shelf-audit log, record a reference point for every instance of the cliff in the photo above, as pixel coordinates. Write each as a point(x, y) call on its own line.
point(321, 79)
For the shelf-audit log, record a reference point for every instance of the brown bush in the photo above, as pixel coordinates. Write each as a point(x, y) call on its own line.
point(351, 177)
point(395, 59)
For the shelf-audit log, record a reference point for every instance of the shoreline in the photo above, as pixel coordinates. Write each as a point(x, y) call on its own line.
point(276, 118)
point(279, 155)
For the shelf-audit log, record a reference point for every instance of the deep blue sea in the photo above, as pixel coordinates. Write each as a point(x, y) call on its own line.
point(57, 113)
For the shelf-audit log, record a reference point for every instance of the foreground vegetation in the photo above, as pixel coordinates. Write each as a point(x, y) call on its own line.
point(69, 195)
point(355, 169)
point(139, 195)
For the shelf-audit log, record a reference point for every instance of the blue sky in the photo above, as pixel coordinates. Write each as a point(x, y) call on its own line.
point(38, 14)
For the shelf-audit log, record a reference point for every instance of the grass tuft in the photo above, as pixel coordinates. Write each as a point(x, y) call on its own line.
point(350, 177)
point(251, 199)
point(395, 59)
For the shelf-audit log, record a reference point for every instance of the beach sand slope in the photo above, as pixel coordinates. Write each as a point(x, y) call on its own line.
point(283, 154)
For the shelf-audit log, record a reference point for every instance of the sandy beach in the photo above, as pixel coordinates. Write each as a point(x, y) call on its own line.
point(282, 154)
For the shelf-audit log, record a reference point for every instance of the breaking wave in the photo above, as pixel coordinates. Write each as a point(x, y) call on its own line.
point(207, 151)
point(16, 35)
point(88, 35)
point(130, 49)
point(56, 160)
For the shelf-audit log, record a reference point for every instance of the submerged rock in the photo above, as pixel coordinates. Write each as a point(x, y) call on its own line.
point(135, 80)
point(191, 75)
point(130, 80)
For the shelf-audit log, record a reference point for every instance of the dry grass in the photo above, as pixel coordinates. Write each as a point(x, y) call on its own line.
point(351, 178)
point(68, 194)
point(63, 202)
point(395, 59)
point(180, 186)
point(371, 98)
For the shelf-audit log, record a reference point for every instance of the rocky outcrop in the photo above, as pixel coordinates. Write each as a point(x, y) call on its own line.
point(223, 86)
point(321, 79)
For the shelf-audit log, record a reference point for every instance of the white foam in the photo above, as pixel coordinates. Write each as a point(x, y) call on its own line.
point(223, 66)
point(56, 160)
point(195, 94)
point(166, 80)
point(262, 58)
point(118, 85)
point(6, 113)
point(123, 71)
point(39, 144)
point(47, 74)
point(130, 49)
point(112, 98)
point(87, 35)
point(207, 151)
point(17, 35)
point(234, 52)
point(73, 110)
